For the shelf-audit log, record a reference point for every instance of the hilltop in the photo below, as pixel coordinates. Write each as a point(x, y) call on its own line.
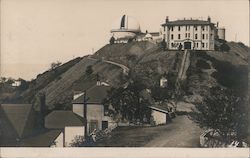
point(145, 59)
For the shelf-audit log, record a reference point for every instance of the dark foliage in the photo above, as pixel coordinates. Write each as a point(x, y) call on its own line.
point(129, 104)
point(89, 70)
point(163, 44)
point(228, 75)
point(202, 64)
point(225, 112)
point(224, 47)
point(112, 40)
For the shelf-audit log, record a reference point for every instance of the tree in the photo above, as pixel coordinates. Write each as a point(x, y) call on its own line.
point(129, 103)
point(224, 47)
point(112, 40)
point(89, 70)
point(78, 141)
point(163, 44)
point(24, 84)
point(225, 112)
point(55, 65)
point(10, 81)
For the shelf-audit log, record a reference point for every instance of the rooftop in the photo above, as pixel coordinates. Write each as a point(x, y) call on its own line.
point(17, 116)
point(59, 119)
point(45, 139)
point(96, 94)
point(188, 22)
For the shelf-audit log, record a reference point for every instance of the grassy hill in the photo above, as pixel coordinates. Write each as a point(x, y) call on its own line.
point(145, 59)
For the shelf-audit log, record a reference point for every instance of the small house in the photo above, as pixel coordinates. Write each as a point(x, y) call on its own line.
point(162, 113)
point(67, 125)
point(96, 113)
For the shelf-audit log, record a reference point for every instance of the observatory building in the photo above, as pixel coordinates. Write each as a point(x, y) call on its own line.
point(125, 28)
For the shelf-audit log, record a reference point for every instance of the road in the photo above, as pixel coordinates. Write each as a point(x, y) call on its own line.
point(124, 68)
point(181, 132)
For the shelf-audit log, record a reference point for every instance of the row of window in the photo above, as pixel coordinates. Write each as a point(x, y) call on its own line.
point(187, 27)
point(196, 45)
point(187, 35)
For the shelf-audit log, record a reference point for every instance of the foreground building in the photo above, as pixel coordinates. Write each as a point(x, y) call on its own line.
point(96, 113)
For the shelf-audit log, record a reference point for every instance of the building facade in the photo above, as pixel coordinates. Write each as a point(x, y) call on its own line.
point(189, 34)
point(96, 114)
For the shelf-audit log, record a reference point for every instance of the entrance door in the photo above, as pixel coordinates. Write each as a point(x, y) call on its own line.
point(187, 45)
point(104, 125)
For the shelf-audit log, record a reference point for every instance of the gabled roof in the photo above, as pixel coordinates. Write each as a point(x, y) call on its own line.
point(59, 119)
point(187, 22)
point(155, 33)
point(95, 95)
point(45, 139)
point(162, 107)
point(17, 115)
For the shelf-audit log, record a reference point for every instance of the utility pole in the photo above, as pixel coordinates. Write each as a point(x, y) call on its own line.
point(85, 113)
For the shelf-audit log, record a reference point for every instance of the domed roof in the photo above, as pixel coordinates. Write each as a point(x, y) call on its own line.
point(126, 23)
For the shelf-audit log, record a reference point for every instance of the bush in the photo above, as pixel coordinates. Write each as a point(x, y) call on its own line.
point(89, 70)
point(202, 64)
point(224, 47)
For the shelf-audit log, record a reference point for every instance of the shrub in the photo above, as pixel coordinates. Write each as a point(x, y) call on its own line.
point(224, 47)
point(202, 64)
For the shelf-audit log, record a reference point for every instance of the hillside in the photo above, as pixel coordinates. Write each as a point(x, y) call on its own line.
point(147, 61)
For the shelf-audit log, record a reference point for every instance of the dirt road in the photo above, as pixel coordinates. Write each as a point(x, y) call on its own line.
point(182, 132)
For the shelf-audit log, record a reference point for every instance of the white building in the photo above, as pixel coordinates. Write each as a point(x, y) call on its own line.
point(96, 113)
point(125, 28)
point(189, 34)
point(69, 124)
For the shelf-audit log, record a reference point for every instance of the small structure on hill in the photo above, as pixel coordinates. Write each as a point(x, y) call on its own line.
point(163, 82)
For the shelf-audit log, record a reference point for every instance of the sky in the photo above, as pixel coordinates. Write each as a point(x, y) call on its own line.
point(35, 33)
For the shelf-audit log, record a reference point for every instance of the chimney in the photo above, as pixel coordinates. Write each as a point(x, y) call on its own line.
point(217, 24)
point(208, 19)
point(167, 19)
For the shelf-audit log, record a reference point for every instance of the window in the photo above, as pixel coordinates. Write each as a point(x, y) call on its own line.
point(195, 27)
point(172, 36)
point(202, 27)
point(179, 28)
point(196, 36)
point(172, 28)
point(189, 35)
point(197, 44)
point(203, 36)
point(186, 35)
point(202, 44)
point(186, 27)
point(206, 36)
point(179, 36)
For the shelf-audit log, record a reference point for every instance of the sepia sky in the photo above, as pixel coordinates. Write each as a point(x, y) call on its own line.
point(35, 33)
